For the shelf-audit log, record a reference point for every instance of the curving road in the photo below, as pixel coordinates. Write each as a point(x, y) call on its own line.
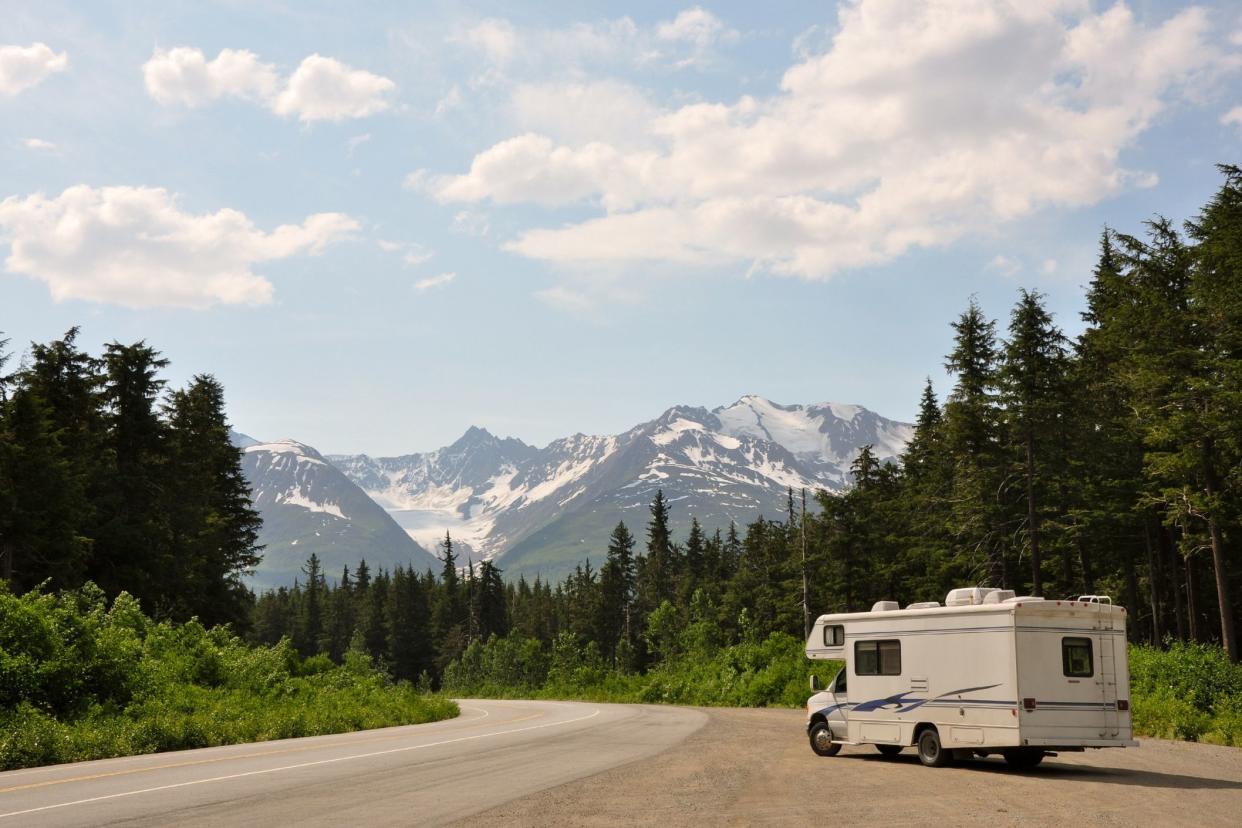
point(495, 752)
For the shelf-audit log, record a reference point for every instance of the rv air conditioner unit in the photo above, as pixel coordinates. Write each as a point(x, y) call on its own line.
point(885, 606)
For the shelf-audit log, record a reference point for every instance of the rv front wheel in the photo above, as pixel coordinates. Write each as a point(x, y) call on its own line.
point(930, 751)
point(1023, 758)
point(821, 740)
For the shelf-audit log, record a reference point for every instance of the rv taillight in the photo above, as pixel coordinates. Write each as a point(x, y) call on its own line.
point(1028, 704)
point(1123, 705)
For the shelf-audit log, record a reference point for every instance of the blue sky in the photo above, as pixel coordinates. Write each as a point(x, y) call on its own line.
point(380, 223)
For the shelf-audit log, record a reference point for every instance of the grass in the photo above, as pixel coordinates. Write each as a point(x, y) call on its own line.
point(80, 680)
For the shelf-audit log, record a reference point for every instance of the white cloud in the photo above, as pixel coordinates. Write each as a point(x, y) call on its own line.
point(417, 254)
point(511, 51)
point(324, 89)
point(471, 223)
point(698, 28)
point(183, 76)
point(1233, 116)
point(1049, 267)
point(921, 123)
point(134, 246)
point(434, 282)
point(577, 113)
point(357, 141)
point(320, 89)
point(38, 144)
point(1003, 265)
point(389, 246)
point(22, 67)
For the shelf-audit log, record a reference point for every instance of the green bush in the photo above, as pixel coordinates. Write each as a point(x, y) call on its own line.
point(1186, 691)
point(83, 680)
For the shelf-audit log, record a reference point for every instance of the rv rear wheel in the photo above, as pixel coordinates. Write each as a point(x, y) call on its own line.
point(821, 740)
point(930, 751)
point(1023, 758)
point(889, 751)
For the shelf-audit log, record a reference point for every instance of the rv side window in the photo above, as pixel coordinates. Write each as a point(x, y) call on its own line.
point(838, 686)
point(834, 635)
point(877, 658)
point(1076, 657)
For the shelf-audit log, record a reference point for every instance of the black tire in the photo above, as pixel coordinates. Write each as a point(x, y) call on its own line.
point(888, 751)
point(931, 753)
point(821, 740)
point(1023, 758)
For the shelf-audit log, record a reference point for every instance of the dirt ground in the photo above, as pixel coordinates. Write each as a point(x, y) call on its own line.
point(748, 767)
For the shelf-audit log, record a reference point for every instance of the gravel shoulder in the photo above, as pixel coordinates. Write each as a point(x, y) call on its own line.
point(748, 767)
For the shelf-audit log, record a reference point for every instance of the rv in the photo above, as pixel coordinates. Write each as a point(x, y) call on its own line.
point(989, 672)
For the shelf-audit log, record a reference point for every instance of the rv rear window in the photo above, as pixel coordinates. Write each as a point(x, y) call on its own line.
point(834, 635)
point(877, 658)
point(1076, 657)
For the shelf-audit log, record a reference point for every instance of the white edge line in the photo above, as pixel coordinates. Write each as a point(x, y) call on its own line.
point(295, 767)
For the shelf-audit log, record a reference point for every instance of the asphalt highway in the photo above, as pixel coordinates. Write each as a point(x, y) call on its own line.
point(495, 752)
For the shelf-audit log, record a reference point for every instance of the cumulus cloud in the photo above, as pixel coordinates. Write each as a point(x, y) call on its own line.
point(919, 123)
point(434, 282)
point(22, 67)
point(320, 89)
point(134, 246)
point(38, 144)
point(1233, 116)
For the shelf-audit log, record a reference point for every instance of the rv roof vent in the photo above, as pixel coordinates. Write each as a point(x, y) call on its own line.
point(996, 596)
point(885, 606)
point(966, 596)
point(1024, 599)
point(924, 605)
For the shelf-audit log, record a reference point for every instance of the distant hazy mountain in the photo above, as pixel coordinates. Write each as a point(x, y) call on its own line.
point(543, 510)
point(308, 506)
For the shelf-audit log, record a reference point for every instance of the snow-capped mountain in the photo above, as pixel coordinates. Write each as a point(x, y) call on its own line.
point(308, 506)
point(547, 509)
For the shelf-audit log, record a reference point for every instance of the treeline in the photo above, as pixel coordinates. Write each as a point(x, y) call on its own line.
point(1107, 464)
point(107, 476)
point(1111, 463)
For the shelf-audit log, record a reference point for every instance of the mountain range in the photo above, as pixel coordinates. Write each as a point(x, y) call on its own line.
point(543, 510)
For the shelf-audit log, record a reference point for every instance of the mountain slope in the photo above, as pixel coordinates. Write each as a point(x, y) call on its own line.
point(308, 506)
point(543, 510)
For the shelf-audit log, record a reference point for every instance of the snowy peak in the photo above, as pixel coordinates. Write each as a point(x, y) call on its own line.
point(829, 433)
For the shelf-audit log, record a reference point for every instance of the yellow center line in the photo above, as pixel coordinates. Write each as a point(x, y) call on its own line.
point(250, 755)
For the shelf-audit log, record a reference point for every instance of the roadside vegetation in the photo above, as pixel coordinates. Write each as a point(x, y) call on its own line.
point(81, 679)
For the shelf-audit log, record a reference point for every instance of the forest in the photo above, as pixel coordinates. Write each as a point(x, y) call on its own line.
point(1109, 462)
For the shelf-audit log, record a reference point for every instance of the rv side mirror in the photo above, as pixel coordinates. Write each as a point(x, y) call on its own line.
point(814, 683)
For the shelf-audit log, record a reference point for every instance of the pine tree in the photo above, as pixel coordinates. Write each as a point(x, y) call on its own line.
point(1032, 378)
point(971, 424)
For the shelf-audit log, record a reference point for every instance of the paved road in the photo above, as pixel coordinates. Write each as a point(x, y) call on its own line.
point(753, 767)
point(495, 752)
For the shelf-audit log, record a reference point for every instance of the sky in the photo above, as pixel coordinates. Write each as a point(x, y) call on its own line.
point(380, 223)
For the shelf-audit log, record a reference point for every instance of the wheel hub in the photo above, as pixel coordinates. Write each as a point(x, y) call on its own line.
point(823, 739)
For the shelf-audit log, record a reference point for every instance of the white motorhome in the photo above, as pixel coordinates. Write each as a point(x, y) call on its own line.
point(988, 672)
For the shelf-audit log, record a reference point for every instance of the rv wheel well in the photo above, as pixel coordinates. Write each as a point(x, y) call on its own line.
point(920, 727)
point(818, 717)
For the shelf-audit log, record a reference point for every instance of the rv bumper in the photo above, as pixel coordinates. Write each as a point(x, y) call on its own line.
point(1075, 743)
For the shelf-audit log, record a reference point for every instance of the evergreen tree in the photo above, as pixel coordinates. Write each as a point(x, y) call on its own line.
point(1032, 378)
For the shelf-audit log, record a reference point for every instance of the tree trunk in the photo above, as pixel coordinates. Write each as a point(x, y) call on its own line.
point(1192, 605)
point(1131, 587)
point(1166, 548)
point(1153, 577)
point(7, 550)
point(1227, 639)
point(1032, 519)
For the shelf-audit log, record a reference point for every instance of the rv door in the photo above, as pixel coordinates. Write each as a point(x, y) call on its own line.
point(838, 714)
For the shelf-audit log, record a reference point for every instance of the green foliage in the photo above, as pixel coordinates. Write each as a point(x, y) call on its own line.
point(80, 680)
point(1189, 691)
